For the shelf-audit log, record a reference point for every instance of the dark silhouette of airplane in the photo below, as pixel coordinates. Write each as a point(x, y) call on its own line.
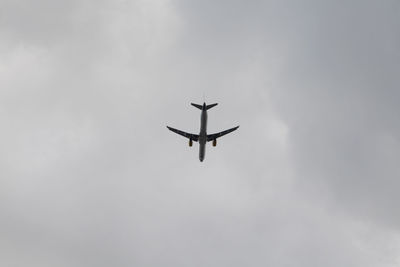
point(203, 137)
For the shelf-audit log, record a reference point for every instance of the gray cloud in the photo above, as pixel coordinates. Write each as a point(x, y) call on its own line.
point(341, 105)
point(90, 176)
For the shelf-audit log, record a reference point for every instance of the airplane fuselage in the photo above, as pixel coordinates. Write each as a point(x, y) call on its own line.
point(203, 133)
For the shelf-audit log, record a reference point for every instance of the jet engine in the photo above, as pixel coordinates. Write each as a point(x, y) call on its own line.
point(215, 142)
point(190, 142)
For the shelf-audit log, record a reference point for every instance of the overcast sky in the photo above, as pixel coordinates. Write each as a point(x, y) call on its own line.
point(90, 176)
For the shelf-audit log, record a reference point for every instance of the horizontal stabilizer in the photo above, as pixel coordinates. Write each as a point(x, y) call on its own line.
point(204, 106)
point(197, 106)
point(211, 106)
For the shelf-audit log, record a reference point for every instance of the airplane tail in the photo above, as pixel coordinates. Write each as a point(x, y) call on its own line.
point(207, 107)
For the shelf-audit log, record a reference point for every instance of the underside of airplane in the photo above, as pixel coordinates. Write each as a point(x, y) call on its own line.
point(203, 137)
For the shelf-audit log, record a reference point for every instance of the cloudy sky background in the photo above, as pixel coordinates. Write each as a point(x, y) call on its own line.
point(90, 176)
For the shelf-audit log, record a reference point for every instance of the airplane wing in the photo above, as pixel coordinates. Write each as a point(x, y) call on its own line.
point(211, 137)
point(193, 137)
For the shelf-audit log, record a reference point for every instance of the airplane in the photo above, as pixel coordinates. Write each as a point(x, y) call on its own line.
point(203, 137)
